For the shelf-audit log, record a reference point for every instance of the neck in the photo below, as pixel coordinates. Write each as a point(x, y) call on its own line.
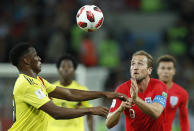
point(23, 69)
point(28, 73)
point(169, 84)
point(142, 85)
point(66, 82)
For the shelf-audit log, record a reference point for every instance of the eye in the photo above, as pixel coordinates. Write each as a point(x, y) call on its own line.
point(132, 64)
point(140, 63)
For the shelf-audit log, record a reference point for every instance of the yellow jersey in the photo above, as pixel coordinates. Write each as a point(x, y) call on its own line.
point(29, 95)
point(76, 124)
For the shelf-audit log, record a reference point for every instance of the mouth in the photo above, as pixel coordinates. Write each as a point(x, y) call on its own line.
point(165, 76)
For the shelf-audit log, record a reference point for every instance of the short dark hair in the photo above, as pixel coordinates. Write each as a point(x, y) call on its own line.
point(149, 57)
point(17, 52)
point(166, 58)
point(67, 57)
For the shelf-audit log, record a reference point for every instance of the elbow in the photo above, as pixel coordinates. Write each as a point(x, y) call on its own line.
point(110, 124)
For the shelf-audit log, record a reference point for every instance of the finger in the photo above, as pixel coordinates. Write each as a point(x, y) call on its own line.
point(104, 113)
point(122, 97)
point(127, 105)
point(134, 87)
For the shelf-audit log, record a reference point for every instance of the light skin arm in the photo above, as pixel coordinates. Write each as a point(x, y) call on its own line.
point(69, 113)
point(80, 95)
point(154, 110)
point(183, 116)
point(114, 117)
point(90, 122)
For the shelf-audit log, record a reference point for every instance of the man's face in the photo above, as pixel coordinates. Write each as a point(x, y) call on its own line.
point(34, 60)
point(66, 69)
point(139, 67)
point(166, 71)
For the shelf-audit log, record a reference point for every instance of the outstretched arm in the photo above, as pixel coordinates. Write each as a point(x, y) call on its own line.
point(69, 113)
point(80, 95)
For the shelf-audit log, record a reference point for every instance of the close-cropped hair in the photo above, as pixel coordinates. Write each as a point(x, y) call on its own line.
point(166, 58)
point(67, 57)
point(149, 57)
point(17, 52)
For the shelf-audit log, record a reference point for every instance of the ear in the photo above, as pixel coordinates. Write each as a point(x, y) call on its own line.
point(174, 71)
point(149, 70)
point(26, 61)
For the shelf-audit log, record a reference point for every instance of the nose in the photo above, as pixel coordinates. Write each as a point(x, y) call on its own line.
point(39, 58)
point(135, 66)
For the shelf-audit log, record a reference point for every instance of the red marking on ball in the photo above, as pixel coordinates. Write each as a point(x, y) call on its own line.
point(80, 11)
point(97, 9)
point(82, 24)
point(99, 22)
point(90, 16)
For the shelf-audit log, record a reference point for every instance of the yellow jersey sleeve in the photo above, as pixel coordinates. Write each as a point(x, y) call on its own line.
point(35, 96)
point(49, 87)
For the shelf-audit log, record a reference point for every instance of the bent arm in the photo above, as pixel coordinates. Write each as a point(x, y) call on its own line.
point(69, 113)
point(113, 118)
point(154, 110)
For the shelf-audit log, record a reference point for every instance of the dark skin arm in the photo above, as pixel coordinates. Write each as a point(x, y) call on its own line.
point(69, 113)
point(90, 122)
point(80, 95)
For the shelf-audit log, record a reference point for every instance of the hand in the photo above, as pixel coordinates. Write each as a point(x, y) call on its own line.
point(99, 110)
point(125, 104)
point(134, 89)
point(113, 95)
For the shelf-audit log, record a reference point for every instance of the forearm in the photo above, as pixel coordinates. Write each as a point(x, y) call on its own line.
point(90, 122)
point(69, 113)
point(184, 119)
point(150, 109)
point(79, 95)
point(113, 118)
point(75, 95)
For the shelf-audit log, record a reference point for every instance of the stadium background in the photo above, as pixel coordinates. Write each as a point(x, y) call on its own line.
point(156, 26)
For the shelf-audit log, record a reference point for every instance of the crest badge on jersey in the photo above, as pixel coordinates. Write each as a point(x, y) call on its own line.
point(173, 100)
point(148, 100)
point(40, 94)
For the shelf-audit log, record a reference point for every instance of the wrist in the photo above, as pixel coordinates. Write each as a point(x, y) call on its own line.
point(104, 94)
point(120, 109)
point(89, 111)
point(136, 100)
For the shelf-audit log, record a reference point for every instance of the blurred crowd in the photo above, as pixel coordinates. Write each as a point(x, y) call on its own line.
point(50, 26)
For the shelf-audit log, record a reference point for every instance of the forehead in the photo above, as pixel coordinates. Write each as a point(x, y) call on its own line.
point(139, 58)
point(166, 64)
point(66, 61)
point(31, 50)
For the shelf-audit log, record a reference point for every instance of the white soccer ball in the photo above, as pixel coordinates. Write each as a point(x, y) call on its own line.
point(89, 18)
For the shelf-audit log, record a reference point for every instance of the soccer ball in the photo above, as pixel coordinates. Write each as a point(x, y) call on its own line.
point(89, 18)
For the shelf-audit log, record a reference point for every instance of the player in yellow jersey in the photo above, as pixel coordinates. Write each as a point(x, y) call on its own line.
point(31, 94)
point(66, 66)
